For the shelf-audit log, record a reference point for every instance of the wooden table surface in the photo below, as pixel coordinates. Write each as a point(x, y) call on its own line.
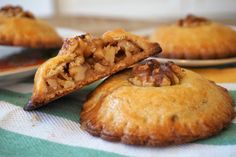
point(98, 25)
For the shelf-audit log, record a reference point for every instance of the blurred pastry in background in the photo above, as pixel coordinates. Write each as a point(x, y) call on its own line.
point(196, 38)
point(21, 28)
point(85, 59)
point(157, 104)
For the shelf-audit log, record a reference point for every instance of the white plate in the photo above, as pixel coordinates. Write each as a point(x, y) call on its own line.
point(198, 63)
point(188, 62)
point(8, 77)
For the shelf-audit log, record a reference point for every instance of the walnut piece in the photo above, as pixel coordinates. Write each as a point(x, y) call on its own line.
point(153, 73)
point(191, 21)
point(15, 11)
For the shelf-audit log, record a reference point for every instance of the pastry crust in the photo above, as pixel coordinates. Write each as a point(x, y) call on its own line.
point(156, 116)
point(20, 28)
point(196, 38)
point(85, 59)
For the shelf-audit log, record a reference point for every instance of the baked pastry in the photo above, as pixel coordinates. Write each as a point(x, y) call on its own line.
point(85, 59)
point(196, 38)
point(156, 104)
point(21, 28)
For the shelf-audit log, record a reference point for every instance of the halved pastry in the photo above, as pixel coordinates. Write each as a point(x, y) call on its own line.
point(156, 104)
point(196, 38)
point(85, 59)
point(21, 28)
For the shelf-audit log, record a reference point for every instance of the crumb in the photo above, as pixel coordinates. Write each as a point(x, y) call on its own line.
point(35, 118)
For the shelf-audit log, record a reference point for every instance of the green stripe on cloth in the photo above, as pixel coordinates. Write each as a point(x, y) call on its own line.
point(233, 95)
point(226, 137)
point(14, 98)
point(68, 107)
point(13, 144)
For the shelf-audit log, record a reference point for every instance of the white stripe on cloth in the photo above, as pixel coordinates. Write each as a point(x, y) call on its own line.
point(229, 86)
point(59, 130)
point(28, 87)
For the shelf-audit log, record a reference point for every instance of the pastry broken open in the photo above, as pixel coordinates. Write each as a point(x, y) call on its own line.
point(85, 59)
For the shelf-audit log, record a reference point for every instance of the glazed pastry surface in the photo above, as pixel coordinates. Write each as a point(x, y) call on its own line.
point(169, 112)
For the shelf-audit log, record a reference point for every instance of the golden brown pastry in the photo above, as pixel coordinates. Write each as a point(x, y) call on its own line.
point(156, 104)
point(85, 59)
point(196, 38)
point(21, 28)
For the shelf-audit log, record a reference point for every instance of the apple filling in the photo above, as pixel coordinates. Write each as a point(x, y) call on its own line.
point(88, 58)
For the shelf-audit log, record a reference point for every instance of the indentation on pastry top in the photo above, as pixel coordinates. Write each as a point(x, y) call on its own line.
point(153, 73)
point(192, 20)
point(88, 57)
point(15, 11)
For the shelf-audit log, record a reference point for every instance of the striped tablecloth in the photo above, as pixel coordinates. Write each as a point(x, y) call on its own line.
point(55, 130)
